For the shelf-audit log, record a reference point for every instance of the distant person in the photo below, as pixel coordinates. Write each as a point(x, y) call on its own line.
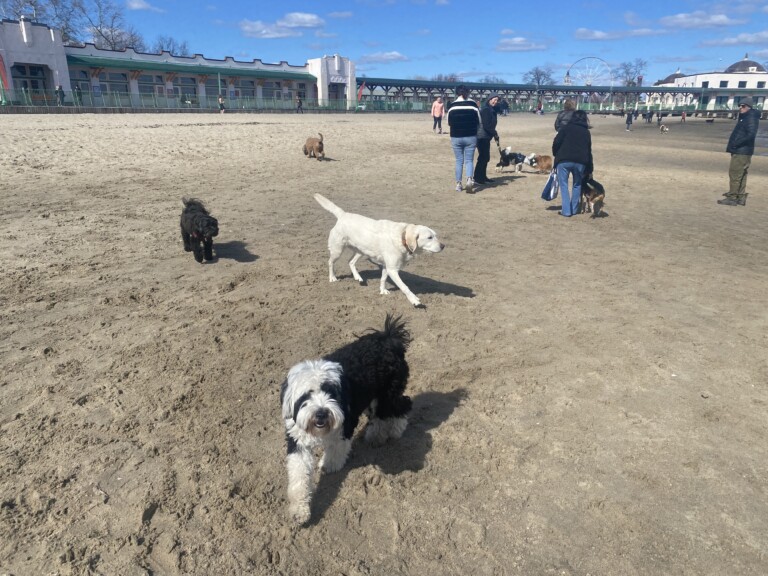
point(463, 119)
point(221, 104)
point(629, 120)
point(299, 105)
point(505, 107)
point(741, 145)
point(572, 149)
point(659, 116)
point(682, 116)
point(438, 111)
point(78, 95)
point(564, 116)
point(59, 95)
point(486, 131)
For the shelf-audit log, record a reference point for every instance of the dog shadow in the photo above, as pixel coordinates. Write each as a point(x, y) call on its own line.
point(418, 284)
point(407, 453)
point(234, 250)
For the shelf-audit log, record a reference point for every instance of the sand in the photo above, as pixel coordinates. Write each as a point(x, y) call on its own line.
point(590, 395)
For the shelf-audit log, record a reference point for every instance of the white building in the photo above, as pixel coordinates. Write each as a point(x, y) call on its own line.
point(719, 88)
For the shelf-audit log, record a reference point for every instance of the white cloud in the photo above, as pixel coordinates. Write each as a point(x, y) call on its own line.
point(141, 5)
point(383, 57)
point(288, 26)
point(518, 44)
point(322, 34)
point(507, 32)
point(740, 39)
point(340, 15)
point(698, 19)
point(587, 34)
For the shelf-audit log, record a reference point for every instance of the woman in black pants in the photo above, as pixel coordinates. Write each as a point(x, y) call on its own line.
point(485, 132)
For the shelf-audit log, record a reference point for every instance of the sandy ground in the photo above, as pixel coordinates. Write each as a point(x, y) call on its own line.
point(590, 395)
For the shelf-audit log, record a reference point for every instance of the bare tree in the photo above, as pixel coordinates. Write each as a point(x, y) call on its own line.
point(453, 77)
point(493, 80)
point(107, 27)
point(630, 72)
point(170, 44)
point(539, 76)
point(58, 14)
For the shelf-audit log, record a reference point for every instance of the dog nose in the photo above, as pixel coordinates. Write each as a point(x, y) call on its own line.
point(321, 416)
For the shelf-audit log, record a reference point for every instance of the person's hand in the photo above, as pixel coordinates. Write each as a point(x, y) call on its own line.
point(496, 138)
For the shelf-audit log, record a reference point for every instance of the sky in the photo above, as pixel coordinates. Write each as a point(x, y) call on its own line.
point(403, 39)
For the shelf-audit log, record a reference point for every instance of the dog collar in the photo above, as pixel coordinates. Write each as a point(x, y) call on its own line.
point(407, 248)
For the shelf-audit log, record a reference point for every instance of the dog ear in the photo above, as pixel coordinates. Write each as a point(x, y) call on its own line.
point(411, 237)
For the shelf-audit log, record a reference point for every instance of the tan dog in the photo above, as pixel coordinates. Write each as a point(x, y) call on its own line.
point(542, 164)
point(314, 147)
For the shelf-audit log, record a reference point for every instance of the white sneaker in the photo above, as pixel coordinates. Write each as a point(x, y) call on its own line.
point(458, 186)
point(470, 185)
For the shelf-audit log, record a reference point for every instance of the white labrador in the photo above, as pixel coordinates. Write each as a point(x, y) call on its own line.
point(389, 244)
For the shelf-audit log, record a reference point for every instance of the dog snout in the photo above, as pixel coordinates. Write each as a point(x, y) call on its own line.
point(321, 418)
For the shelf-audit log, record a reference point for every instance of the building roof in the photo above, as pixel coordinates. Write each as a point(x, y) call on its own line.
point(745, 65)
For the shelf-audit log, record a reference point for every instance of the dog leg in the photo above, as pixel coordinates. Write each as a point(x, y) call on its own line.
point(300, 484)
point(382, 285)
point(352, 267)
point(198, 251)
point(395, 275)
point(335, 454)
point(208, 249)
point(186, 240)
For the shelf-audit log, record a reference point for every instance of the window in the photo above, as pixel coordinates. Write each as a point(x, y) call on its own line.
point(211, 88)
point(148, 84)
point(742, 84)
point(723, 83)
point(247, 88)
point(301, 90)
point(705, 84)
point(29, 76)
point(271, 90)
point(761, 84)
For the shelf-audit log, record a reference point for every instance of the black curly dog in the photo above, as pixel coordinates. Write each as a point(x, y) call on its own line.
point(198, 227)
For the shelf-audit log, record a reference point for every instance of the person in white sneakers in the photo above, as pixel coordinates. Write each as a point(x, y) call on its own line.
point(463, 119)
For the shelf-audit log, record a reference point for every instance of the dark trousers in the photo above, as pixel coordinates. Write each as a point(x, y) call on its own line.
point(737, 174)
point(437, 122)
point(483, 156)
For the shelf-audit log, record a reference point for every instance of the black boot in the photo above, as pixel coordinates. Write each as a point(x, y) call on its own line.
point(742, 199)
point(728, 202)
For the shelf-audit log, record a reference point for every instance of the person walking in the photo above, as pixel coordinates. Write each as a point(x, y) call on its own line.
point(741, 145)
point(59, 95)
point(572, 149)
point(485, 131)
point(463, 119)
point(629, 120)
point(299, 105)
point(221, 104)
point(564, 116)
point(682, 117)
point(438, 111)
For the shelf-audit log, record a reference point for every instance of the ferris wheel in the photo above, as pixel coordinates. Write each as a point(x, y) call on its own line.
point(589, 71)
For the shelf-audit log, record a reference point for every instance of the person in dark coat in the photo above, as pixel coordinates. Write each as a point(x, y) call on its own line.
point(741, 145)
point(572, 149)
point(564, 116)
point(485, 132)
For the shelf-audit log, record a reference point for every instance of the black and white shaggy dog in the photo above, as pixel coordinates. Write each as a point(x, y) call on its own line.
point(509, 158)
point(198, 228)
point(322, 401)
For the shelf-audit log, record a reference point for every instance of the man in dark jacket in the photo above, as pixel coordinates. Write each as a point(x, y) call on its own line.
point(485, 132)
point(741, 145)
point(572, 149)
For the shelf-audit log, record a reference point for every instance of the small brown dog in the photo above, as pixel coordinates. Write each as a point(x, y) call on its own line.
point(592, 196)
point(542, 164)
point(313, 147)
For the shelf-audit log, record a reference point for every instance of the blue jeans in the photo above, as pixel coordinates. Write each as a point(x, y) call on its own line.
point(570, 199)
point(464, 150)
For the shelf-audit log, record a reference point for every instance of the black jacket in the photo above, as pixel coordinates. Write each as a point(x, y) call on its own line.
point(487, 129)
point(574, 142)
point(463, 118)
point(742, 140)
point(563, 117)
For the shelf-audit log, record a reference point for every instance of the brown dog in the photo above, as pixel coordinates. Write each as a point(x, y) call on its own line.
point(313, 147)
point(542, 164)
point(592, 196)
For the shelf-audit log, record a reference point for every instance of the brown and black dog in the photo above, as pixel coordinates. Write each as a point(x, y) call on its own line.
point(592, 196)
point(542, 163)
point(313, 147)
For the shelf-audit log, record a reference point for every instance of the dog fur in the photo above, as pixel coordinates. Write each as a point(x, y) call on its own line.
point(389, 244)
point(509, 158)
point(663, 128)
point(198, 229)
point(322, 401)
point(313, 147)
point(542, 163)
point(592, 196)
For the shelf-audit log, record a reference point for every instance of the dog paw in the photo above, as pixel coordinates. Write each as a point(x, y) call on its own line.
point(333, 279)
point(300, 513)
point(383, 291)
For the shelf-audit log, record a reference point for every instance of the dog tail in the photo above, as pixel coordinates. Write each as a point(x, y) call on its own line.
point(395, 329)
point(328, 205)
point(194, 202)
point(321, 136)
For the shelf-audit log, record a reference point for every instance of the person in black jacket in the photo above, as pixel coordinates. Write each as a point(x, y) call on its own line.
point(564, 116)
point(463, 118)
point(572, 149)
point(485, 132)
point(741, 145)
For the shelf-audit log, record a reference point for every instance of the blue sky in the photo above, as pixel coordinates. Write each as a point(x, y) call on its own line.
point(422, 38)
